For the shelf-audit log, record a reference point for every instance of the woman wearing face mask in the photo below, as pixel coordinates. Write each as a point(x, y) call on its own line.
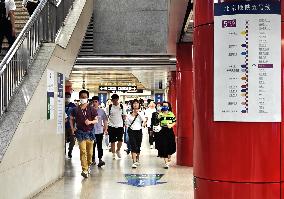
point(155, 125)
point(167, 144)
point(135, 121)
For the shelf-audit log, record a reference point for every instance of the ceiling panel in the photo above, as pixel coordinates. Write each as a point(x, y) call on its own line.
point(143, 79)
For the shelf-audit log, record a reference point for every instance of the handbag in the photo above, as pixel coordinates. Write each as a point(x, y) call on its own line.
point(157, 128)
point(106, 138)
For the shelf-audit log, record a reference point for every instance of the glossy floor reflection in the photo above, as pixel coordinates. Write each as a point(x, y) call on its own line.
point(104, 183)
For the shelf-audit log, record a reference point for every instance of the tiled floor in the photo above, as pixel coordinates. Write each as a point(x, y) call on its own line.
point(104, 183)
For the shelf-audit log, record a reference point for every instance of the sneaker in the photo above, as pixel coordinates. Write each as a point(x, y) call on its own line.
point(166, 166)
point(137, 163)
point(94, 163)
point(118, 154)
point(113, 156)
point(85, 174)
point(127, 151)
point(89, 170)
point(134, 166)
point(151, 146)
point(101, 163)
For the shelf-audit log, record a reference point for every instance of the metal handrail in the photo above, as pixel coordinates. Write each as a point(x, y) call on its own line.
point(42, 26)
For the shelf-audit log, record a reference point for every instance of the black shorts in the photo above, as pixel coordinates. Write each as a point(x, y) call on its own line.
point(115, 134)
point(135, 140)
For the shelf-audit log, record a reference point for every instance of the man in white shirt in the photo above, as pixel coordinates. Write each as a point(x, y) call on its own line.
point(148, 115)
point(7, 22)
point(116, 114)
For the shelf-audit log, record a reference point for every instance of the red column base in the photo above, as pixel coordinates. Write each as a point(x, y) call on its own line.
point(282, 190)
point(205, 189)
point(184, 151)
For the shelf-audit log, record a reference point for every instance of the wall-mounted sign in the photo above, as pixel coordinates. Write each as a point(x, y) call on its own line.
point(247, 61)
point(102, 97)
point(118, 88)
point(159, 97)
point(60, 104)
point(50, 94)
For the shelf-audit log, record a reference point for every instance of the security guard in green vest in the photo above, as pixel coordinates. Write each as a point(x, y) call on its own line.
point(166, 137)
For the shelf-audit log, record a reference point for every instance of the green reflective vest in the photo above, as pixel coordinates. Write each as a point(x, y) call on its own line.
point(166, 118)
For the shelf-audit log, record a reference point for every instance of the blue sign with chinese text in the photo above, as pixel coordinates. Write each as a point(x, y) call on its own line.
point(159, 97)
point(102, 97)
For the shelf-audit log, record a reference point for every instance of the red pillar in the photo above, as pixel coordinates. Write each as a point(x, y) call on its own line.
point(232, 160)
point(172, 95)
point(184, 105)
point(282, 124)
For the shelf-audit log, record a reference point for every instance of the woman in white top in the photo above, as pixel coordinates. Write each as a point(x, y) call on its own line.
point(135, 122)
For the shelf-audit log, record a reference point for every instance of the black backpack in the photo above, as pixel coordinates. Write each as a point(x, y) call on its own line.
point(3, 17)
point(121, 107)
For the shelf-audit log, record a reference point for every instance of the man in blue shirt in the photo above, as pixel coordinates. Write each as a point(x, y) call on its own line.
point(68, 133)
point(99, 129)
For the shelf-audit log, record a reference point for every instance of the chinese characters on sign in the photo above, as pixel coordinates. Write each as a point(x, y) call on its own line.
point(50, 94)
point(118, 88)
point(247, 61)
point(60, 104)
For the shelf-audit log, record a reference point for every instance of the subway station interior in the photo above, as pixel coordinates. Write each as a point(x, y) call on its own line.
point(212, 61)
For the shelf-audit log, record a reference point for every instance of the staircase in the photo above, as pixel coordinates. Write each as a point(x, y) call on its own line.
point(22, 17)
point(87, 47)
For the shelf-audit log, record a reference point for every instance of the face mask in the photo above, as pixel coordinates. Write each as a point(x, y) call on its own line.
point(159, 108)
point(83, 101)
point(68, 100)
point(165, 108)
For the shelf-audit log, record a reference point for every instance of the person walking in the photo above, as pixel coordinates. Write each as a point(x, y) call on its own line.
point(155, 125)
point(69, 137)
point(30, 5)
point(148, 114)
point(85, 117)
point(116, 114)
point(167, 144)
point(99, 129)
point(135, 121)
point(7, 22)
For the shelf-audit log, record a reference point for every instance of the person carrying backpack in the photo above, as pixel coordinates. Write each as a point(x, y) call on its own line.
point(85, 117)
point(7, 22)
point(116, 114)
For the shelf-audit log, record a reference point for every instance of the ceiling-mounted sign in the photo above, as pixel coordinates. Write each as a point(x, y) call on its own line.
point(247, 61)
point(118, 88)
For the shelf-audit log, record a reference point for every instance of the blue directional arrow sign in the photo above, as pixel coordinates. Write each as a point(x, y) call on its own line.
point(143, 180)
